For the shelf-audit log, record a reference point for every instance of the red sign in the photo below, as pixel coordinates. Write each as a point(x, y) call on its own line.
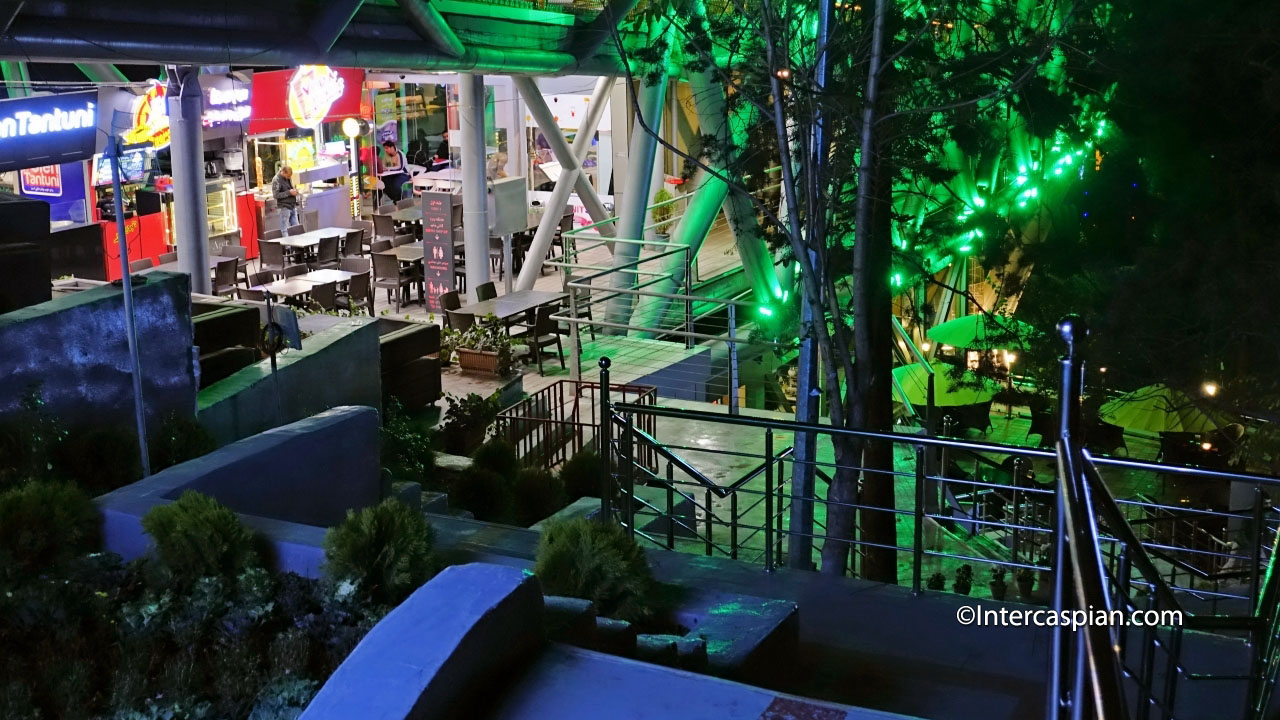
point(45, 180)
point(304, 97)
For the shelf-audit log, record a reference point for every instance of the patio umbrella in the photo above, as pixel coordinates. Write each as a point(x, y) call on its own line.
point(983, 332)
point(1160, 408)
point(969, 389)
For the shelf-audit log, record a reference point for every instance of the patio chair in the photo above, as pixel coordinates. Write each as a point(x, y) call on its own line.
point(459, 321)
point(271, 257)
point(325, 296)
point(142, 264)
point(486, 291)
point(357, 295)
point(326, 253)
point(295, 271)
point(388, 275)
point(1044, 424)
point(1104, 438)
point(353, 243)
point(384, 227)
point(265, 277)
point(380, 246)
point(225, 276)
point(251, 294)
point(545, 333)
point(168, 257)
point(272, 234)
point(297, 230)
point(406, 239)
point(241, 254)
point(310, 220)
point(406, 203)
point(355, 265)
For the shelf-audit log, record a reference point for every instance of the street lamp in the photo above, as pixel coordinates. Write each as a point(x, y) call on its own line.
point(1209, 389)
point(353, 128)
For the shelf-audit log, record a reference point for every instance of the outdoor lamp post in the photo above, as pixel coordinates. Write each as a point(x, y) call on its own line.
point(353, 128)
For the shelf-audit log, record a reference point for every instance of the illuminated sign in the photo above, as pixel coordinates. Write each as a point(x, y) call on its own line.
point(226, 106)
point(150, 118)
point(313, 89)
point(45, 181)
point(48, 129)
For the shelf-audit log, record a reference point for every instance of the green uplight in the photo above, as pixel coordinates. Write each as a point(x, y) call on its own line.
point(896, 279)
point(979, 202)
point(766, 311)
point(785, 294)
point(1057, 171)
point(1022, 180)
point(777, 292)
point(965, 248)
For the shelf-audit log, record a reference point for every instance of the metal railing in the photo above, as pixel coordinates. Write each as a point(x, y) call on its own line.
point(1086, 547)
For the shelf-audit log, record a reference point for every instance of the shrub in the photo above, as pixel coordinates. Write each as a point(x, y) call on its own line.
point(43, 524)
point(582, 475)
point(28, 442)
point(599, 562)
point(197, 536)
point(482, 492)
point(498, 456)
point(537, 495)
point(178, 439)
point(385, 549)
point(466, 421)
point(99, 459)
point(406, 449)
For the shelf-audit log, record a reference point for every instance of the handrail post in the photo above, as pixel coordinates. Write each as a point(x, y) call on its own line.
point(768, 499)
point(779, 510)
point(917, 550)
point(1255, 571)
point(733, 525)
point(1017, 476)
point(628, 451)
point(575, 335)
point(688, 297)
point(671, 499)
point(733, 359)
point(710, 519)
point(606, 447)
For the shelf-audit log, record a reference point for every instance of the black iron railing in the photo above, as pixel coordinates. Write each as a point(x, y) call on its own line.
point(1089, 549)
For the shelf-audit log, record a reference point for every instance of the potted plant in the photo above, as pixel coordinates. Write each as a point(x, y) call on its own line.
point(467, 421)
point(937, 581)
point(662, 213)
point(1026, 580)
point(997, 584)
point(485, 347)
point(964, 579)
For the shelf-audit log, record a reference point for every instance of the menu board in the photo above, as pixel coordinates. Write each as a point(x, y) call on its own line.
point(437, 245)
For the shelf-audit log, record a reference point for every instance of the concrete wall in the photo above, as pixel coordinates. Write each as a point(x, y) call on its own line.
point(337, 366)
point(74, 348)
point(289, 483)
point(446, 648)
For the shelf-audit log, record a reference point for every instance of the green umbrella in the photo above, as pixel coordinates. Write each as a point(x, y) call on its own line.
point(969, 389)
point(983, 332)
point(1160, 408)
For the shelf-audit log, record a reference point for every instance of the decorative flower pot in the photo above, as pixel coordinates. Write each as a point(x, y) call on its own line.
point(478, 361)
point(1025, 586)
point(998, 590)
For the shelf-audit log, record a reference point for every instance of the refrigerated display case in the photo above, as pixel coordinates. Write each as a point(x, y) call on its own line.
point(220, 200)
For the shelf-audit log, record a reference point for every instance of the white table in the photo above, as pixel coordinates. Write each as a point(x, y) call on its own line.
point(320, 277)
point(311, 239)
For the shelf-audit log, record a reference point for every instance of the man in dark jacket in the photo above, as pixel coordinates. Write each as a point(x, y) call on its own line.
point(286, 198)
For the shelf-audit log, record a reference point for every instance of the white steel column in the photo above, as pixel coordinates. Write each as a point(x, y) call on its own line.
point(633, 209)
point(186, 148)
point(475, 196)
point(570, 163)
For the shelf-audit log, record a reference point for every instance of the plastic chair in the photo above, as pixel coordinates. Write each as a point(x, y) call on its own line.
point(326, 253)
point(168, 257)
point(357, 296)
point(459, 321)
point(325, 296)
point(387, 275)
point(271, 257)
point(545, 333)
point(142, 264)
point(224, 277)
point(486, 291)
point(355, 265)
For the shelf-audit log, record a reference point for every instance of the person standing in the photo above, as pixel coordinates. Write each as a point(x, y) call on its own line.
point(286, 198)
point(395, 170)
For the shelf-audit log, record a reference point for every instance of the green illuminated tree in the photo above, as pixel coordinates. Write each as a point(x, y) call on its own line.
point(916, 134)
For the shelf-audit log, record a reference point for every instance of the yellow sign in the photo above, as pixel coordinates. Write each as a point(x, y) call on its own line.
point(150, 118)
point(313, 89)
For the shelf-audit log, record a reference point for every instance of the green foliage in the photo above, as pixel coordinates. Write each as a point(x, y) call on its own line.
point(385, 550)
point(487, 334)
point(406, 448)
point(537, 495)
point(582, 475)
point(178, 439)
point(662, 213)
point(936, 581)
point(498, 456)
point(599, 562)
point(482, 492)
point(28, 441)
point(44, 524)
point(196, 536)
point(466, 420)
point(284, 699)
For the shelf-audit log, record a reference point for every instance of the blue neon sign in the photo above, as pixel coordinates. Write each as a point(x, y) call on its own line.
point(48, 129)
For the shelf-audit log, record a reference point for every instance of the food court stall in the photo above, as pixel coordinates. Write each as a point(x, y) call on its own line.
point(296, 120)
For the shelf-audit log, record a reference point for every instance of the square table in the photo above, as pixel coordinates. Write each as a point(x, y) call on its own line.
point(174, 266)
point(319, 277)
point(288, 288)
point(311, 238)
point(406, 253)
point(512, 304)
point(407, 215)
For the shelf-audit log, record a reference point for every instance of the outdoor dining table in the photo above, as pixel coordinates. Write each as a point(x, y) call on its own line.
point(406, 253)
point(512, 304)
point(175, 266)
point(320, 277)
point(287, 288)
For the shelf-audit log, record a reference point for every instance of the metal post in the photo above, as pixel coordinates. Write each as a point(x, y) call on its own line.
point(1255, 566)
point(186, 149)
point(606, 450)
point(575, 335)
point(130, 326)
point(768, 497)
point(1017, 475)
point(628, 461)
point(733, 525)
point(709, 519)
point(671, 511)
point(506, 262)
point(917, 564)
point(475, 193)
point(733, 359)
point(688, 299)
point(779, 509)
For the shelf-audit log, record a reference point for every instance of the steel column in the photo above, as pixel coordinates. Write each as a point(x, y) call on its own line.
point(186, 147)
point(475, 193)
